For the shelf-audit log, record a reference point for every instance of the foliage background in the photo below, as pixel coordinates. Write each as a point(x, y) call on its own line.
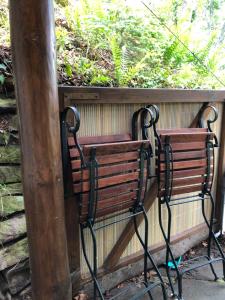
point(120, 43)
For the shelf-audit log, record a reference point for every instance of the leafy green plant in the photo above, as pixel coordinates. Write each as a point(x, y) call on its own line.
point(4, 24)
point(124, 71)
point(2, 76)
point(112, 43)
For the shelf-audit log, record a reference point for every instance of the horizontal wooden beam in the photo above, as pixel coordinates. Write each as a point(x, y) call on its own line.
point(95, 95)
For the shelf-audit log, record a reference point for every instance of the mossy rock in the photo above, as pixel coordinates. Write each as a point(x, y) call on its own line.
point(10, 174)
point(13, 254)
point(7, 105)
point(8, 138)
point(10, 205)
point(10, 189)
point(10, 154)
point(18, 277)
point(13, 123)
point(12, 229)
point(4, 137)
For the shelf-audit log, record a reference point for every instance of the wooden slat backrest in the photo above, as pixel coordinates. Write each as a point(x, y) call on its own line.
point(88, 140)
point(188, 160)
point(118, 173)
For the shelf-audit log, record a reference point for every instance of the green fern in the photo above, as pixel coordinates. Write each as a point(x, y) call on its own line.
point(97, 7)
point(133, 72)
point(117, 58)
point(86, 7)
point(123, 72)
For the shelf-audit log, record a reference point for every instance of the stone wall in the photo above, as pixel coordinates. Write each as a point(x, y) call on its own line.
point(14, 263)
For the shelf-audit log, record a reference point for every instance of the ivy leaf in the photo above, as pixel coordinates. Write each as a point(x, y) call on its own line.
point(69, 70)
point(2, 79)
point(2, 67)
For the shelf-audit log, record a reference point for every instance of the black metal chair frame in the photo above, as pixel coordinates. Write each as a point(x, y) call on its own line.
point(168, 201)
point(138, 208)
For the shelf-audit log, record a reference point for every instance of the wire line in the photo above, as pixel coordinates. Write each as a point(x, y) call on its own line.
point(184, 45)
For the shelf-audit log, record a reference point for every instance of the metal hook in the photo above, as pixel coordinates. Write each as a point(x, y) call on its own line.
point(144, 112)
point(154, 113)
point(209, 121)
point(73, 129)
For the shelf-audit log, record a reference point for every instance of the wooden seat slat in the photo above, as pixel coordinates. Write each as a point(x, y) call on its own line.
point(185, 155)
point(109, 211)
point(188, 146)
point(88, 140)
point(113, 201)
point(186, 164)
point(109, 148)
point(109, 159)
point(108, 181)
point(184, 137)
point(116, 203)
point(186, 181)
point(183, 190)
point(181, 130)
point(190, 172)
point(124, 187)
point(74, 153)
point(109, 192)
point(107, 170)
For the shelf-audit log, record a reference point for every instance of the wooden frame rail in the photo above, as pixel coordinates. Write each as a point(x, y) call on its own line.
point(96, 95)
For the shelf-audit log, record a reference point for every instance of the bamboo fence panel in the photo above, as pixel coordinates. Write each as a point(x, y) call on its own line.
point(106, 119)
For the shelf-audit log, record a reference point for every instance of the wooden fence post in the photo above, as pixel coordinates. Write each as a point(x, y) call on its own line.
point(33, 45)
point(220, 193)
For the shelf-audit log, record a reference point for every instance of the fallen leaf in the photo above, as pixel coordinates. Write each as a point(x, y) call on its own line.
point(152, 273)
point(81, 296)
point(121, 285)
point(107, 294)
point(204, 244)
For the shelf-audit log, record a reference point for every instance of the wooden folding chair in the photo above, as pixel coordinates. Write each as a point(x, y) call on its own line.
point(110, 176)
point(185, 171)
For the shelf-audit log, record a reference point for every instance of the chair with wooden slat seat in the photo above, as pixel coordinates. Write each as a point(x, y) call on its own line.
point(110, 176)
point(185, 170)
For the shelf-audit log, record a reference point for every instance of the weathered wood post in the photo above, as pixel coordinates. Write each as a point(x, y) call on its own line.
point(33, 44)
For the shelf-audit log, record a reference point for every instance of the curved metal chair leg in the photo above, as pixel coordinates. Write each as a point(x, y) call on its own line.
point(147, 254)
point(93, 270)
point(209, 225)
point(144, 245)
point(169, 253)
